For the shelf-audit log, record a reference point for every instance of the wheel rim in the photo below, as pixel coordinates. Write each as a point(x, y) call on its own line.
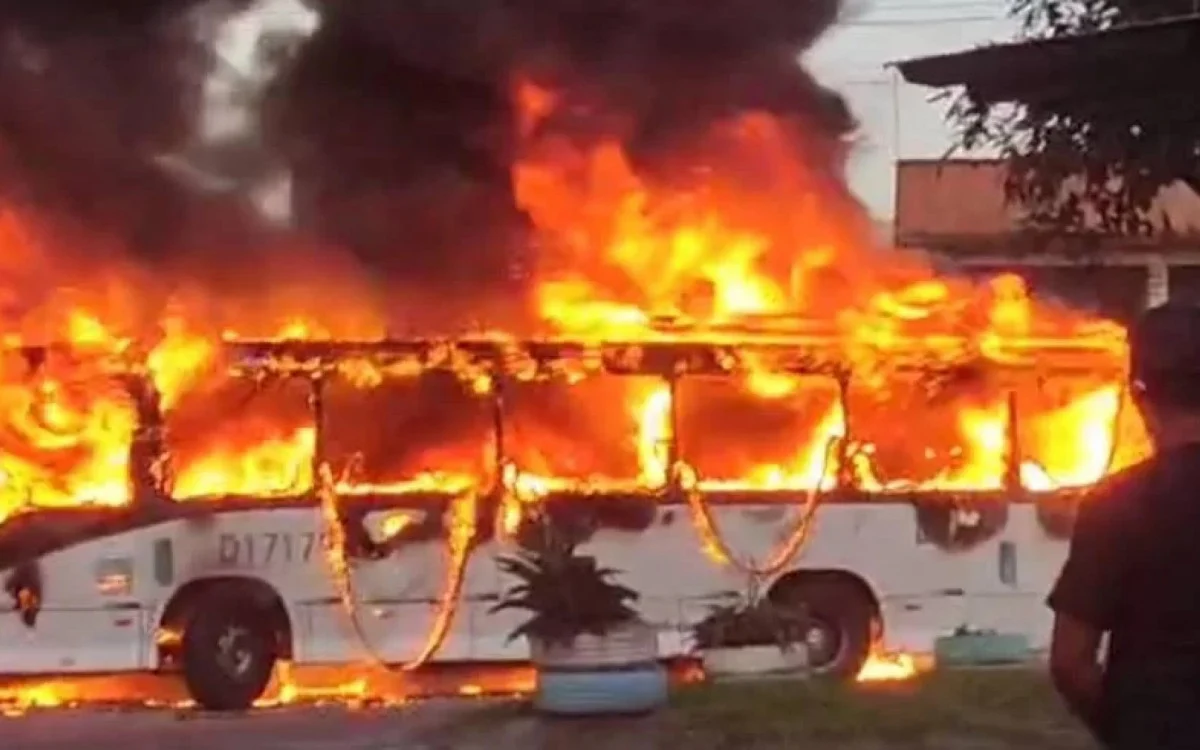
point(235, 652)
point(823, 641)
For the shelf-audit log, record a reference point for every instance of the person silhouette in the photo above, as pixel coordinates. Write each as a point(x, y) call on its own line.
point(1132, 570)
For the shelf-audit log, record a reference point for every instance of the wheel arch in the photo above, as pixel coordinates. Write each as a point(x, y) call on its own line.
point(175, 614)
point(840, 577)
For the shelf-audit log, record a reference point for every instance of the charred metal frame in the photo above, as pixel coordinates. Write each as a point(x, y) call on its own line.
point(507, 361)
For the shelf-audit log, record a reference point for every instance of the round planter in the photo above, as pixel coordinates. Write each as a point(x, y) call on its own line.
point(633, 690)
point(754, 661)
point(981, 649)
point(632, 643)
point(616, 673)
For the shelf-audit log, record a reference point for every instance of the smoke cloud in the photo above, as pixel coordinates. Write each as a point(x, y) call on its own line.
point(382, 128)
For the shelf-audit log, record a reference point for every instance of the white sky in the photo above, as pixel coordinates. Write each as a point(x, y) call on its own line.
point(898, 120)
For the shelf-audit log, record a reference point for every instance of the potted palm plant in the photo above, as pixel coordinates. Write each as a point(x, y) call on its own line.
point(591, 652)
point(752, 638)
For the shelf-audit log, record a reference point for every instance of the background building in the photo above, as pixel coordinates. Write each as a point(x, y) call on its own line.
point(957, 210)
point(1132, 84)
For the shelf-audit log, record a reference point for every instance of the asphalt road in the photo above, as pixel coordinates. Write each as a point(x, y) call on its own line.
point(334, 709)
point(417, 726)
point(438, 724)
point(145, 712)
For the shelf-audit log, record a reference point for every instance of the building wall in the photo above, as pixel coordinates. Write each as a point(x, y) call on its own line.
point(957, 210)
point(944, 200)
point(941, 200)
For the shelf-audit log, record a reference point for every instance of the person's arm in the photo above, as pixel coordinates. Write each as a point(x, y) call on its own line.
point(1084, 600)
point(1075, 670)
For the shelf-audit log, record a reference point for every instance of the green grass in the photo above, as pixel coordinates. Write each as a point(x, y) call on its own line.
point(993, 708)
point(953, 710)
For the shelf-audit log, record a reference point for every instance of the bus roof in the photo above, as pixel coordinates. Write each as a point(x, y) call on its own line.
point(711, 353)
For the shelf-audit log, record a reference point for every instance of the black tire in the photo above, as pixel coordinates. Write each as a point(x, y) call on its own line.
point(228, 652)
point(842, 616)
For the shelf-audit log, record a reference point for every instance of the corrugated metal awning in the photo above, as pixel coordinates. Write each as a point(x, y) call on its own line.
point(1034, 69)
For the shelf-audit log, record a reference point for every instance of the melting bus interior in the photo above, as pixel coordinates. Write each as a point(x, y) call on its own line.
point(497, 364)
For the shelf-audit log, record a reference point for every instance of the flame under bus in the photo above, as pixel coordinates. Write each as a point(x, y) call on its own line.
point(411, 570)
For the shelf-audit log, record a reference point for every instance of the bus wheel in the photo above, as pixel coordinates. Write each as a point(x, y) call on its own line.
point(840, 622)
point(228, 653)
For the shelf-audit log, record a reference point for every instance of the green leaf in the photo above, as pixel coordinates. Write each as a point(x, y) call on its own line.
point(1087, 154)
point(750, 624)
point(566, 593)
point(522, 568)
point(508, 604)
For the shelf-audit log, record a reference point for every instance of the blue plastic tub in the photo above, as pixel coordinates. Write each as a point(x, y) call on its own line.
point(982, 649)
point(636, 690)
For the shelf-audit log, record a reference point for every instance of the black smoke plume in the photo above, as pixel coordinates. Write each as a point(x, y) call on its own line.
point(394, 118)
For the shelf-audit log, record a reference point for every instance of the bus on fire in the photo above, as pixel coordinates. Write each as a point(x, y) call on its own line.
point(403, 571)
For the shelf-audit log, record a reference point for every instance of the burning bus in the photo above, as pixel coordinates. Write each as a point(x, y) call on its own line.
point(712, 372)
point(337, 563)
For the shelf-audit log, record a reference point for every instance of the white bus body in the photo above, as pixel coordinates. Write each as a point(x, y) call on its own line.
point(105, 601)
point(152, 586)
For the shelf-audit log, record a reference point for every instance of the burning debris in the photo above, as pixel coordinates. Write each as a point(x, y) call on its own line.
point(353, 686)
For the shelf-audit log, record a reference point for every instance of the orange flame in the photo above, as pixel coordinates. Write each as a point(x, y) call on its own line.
point(881, 668)
point(741, 235)
point(623, 251)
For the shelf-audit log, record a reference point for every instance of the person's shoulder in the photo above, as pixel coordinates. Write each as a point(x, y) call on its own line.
point(1128, 480)
point(1115, 497)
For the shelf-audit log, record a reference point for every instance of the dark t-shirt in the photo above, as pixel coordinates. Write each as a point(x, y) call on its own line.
point(1134, 571)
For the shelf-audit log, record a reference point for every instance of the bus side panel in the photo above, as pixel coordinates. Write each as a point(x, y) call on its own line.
point(92, 616)
point(278, 547)
point(927, 592)
point(1017, 604)
point(73, 641)
point(102, 599)
point(398, 603)
point(396, 597)
point(924, 591)
point(490, 631)
point(678, 582)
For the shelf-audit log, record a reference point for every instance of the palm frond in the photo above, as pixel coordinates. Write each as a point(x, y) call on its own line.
point(566, 594)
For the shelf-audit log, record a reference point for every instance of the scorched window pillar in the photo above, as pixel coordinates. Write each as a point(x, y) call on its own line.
point(673, 452)
point(149, 461)
point(1012, 473)
point(845, 471)
point(316, 405)
point(498, 446)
